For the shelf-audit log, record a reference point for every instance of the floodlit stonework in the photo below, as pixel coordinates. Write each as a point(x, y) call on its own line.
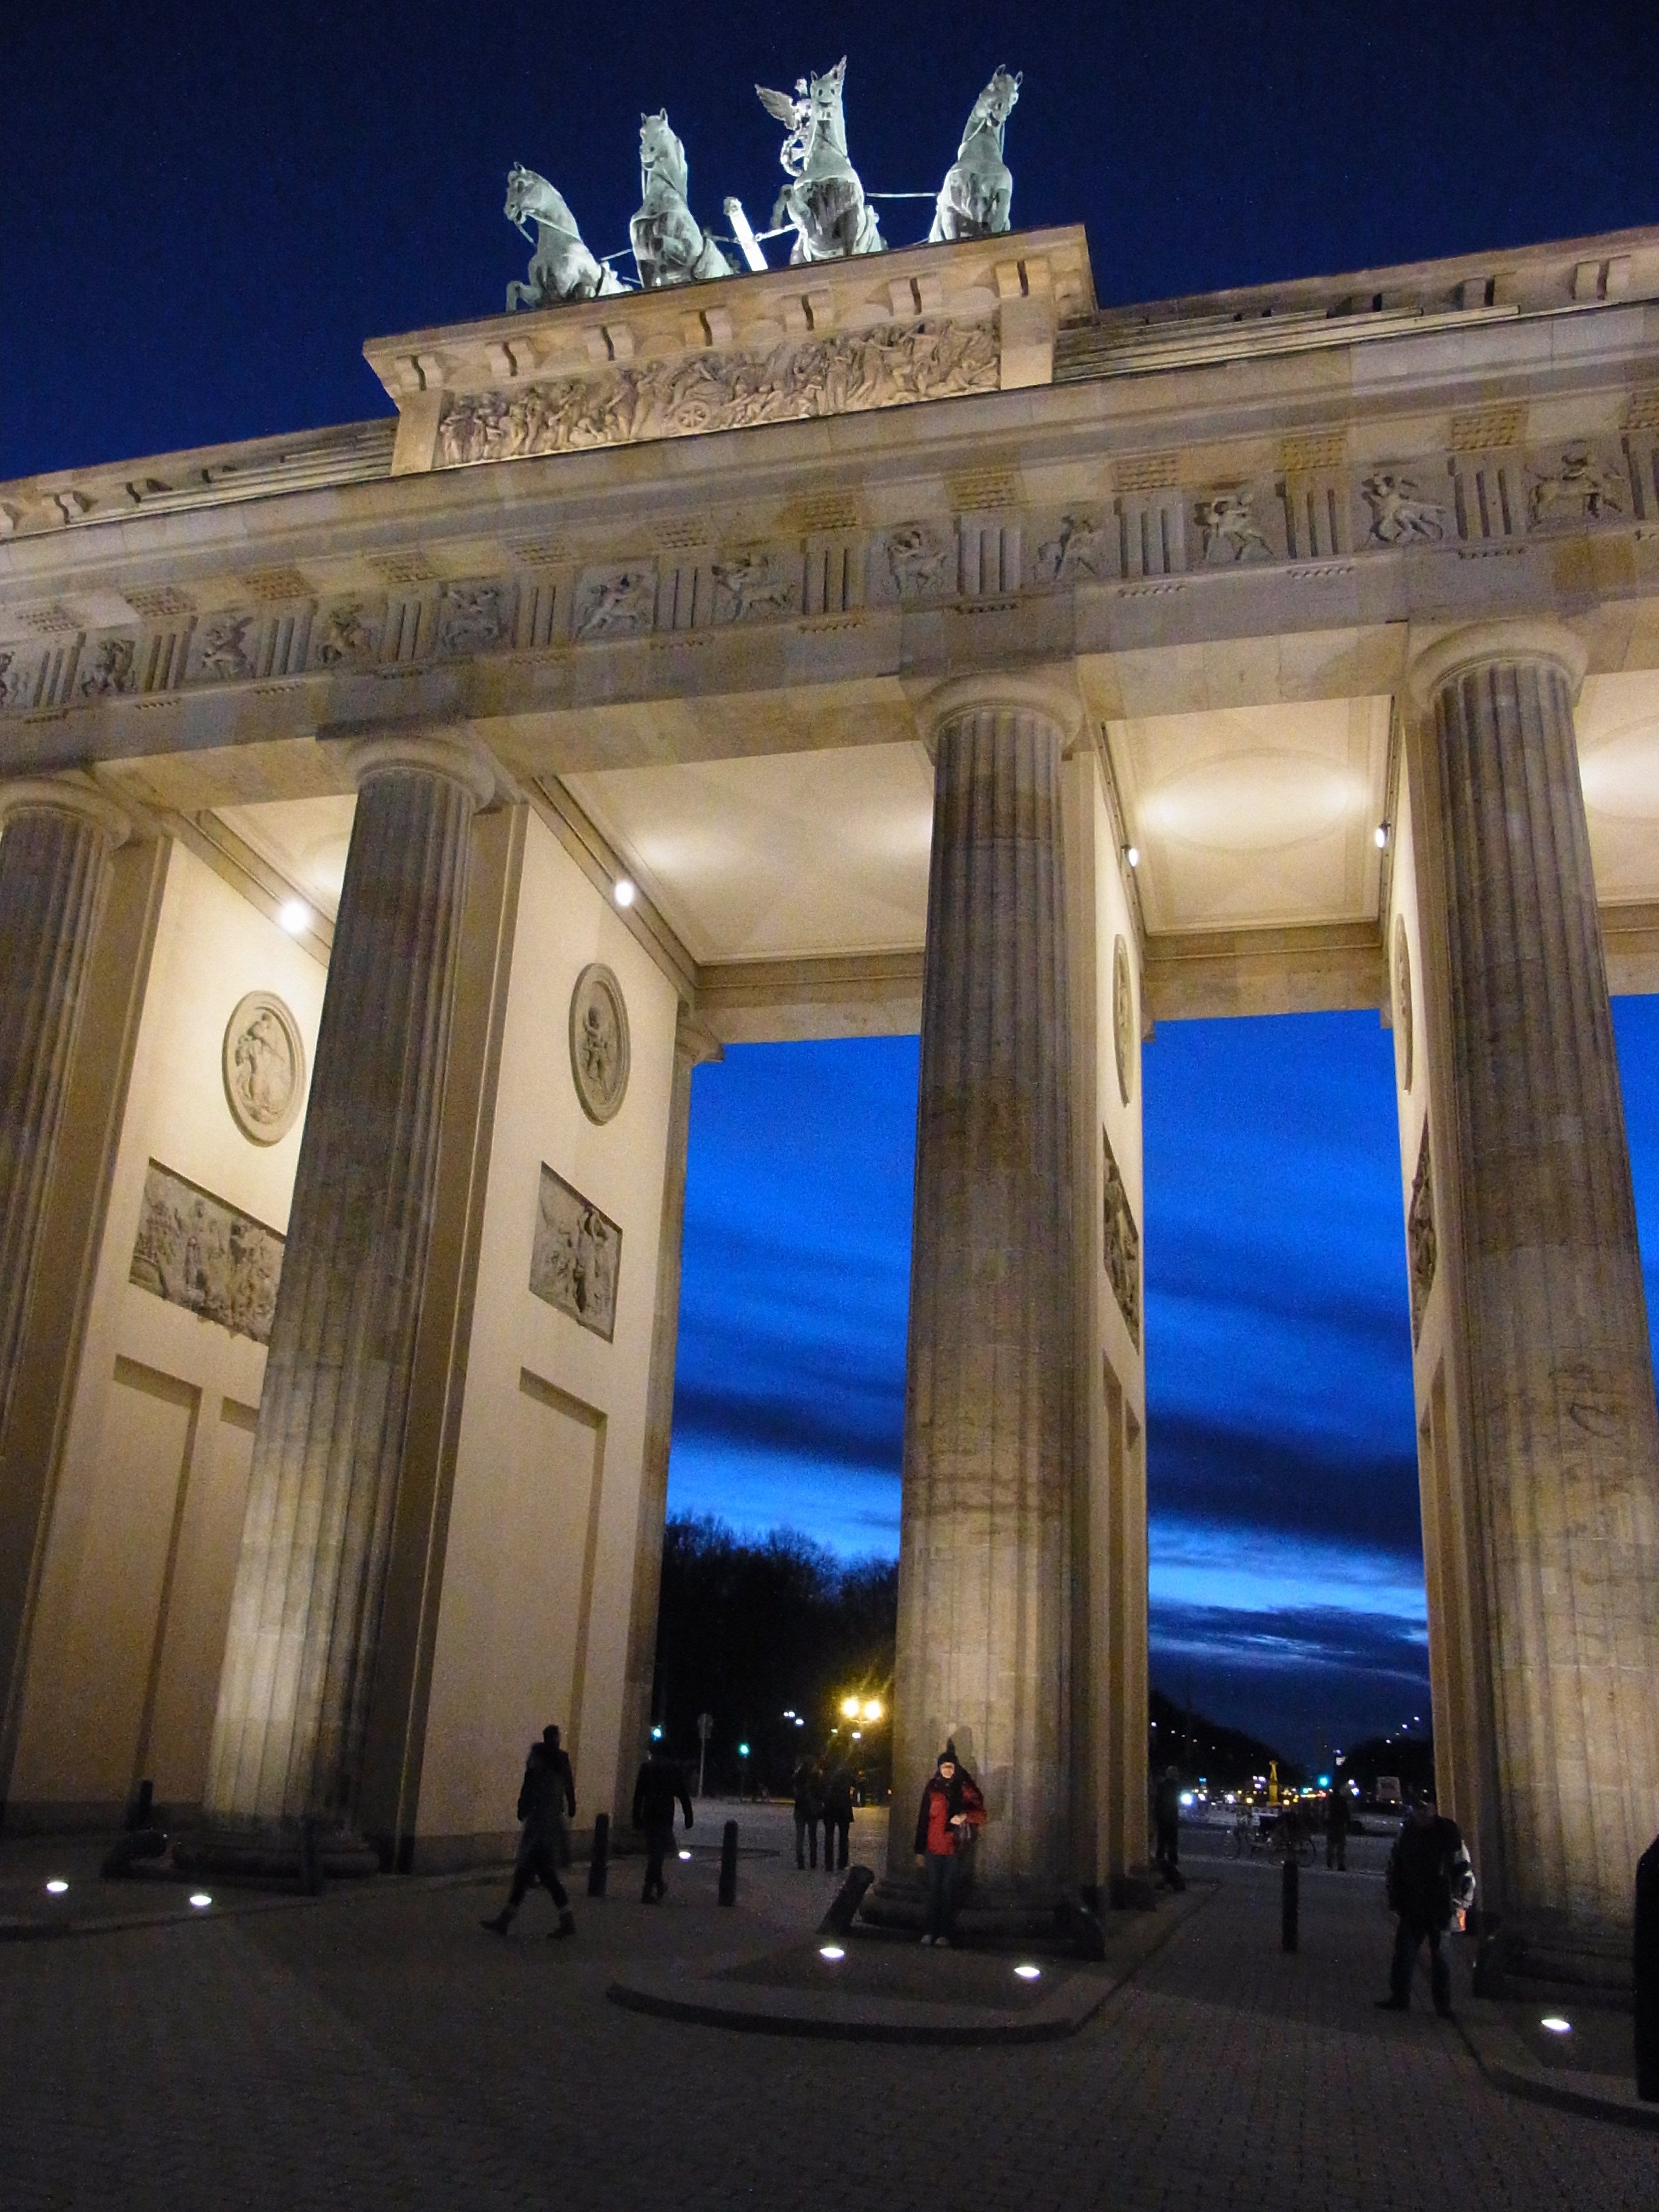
point(684, 575)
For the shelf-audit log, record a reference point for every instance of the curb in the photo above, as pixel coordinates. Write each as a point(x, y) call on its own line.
point(1508, 2064)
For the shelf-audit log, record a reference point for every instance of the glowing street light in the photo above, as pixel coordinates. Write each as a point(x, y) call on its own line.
point(851, 1707)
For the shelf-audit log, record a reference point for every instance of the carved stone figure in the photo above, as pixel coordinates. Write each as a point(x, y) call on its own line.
point(224, 648)
point(616, 602)
point(561, 267)
point(1228, 522)
point(841, 374)
point(1582, 489)
point(1121, 1243)
point(195, 1251)
point(115, 671)
point(1080, 548)
point(975, 198)
point(12, 680)
point(1398, 514)
point(670, 245)
point(824, 199)
point(264, 1063)
point(919, 559)
point(473, 617)
point(346, 635)
point(752, 584)
point(599, 1050)
point(1402, 1001)
point(1420, 1243)
point(1124, 1020)
point(576, 1257)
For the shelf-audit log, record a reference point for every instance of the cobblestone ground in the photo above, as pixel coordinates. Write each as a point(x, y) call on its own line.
point(381, 2050)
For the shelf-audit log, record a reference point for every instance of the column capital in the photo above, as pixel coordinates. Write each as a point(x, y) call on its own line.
point(427, 752)
point(1016, 690)
point(1483, 644)
point(72, 793)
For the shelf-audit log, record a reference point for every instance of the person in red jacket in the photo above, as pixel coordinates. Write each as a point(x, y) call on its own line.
point(951, 1809)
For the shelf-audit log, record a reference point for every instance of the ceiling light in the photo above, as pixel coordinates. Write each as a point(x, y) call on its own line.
point(1132, 855)
point(1381, 836)
point(294, 916)
point(623, 892)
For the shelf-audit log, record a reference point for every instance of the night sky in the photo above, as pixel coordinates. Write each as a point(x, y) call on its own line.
point(206, 211)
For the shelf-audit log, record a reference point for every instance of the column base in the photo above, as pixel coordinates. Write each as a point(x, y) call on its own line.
point(1547, 1951)
point(990, 1913)
point(286, 1851)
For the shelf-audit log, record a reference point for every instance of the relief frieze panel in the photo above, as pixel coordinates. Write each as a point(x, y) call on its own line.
point(843, 373)
point(197, 1251)
point(575, 1257)
point(1121, 1241)
point(1422, 1246)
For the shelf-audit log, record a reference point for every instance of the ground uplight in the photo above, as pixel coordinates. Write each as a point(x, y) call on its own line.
point(56, 1888)
point(1556, 2024)
point(1028, 1973)
point(685, 1855)
point(200, 1899)
point(830, 1951)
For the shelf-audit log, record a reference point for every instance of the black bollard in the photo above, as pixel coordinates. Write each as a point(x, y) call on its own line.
point(729, 1863)
point(599, 1864)
point(1289, 1904)
point(1646, 1961)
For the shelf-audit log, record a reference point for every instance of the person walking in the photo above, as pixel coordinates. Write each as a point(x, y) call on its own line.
point(809, 1803)
point(1429, 1879)
point(837, 1818)
point(952, 1811)
point(1339, 1818)
point(659, 1787)
point(1166, 1823)
point(547, 1804)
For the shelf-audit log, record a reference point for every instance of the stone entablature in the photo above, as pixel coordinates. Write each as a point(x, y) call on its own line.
point(1318, 522)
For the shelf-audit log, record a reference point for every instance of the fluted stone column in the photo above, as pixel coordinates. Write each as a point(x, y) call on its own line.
point(990, 1441)
point(1534, 1185)
point(288, 1739)
point(54, 864)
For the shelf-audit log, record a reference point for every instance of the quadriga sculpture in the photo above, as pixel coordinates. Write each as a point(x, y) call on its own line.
point(670, 245)
point(825, 200)
point(562, 268)
point(975, 198)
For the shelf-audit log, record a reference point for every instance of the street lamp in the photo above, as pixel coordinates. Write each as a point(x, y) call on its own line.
point(851, 1707)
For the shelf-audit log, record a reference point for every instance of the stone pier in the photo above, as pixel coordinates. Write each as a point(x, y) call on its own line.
point(294, 1697)
point(984, 1578)
point(1535, 1222)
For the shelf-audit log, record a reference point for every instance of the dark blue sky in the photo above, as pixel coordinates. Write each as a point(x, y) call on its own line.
point(1287, 1552)
point(206, 211)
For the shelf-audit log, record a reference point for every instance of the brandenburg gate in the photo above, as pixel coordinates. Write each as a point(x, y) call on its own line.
point(394, 815)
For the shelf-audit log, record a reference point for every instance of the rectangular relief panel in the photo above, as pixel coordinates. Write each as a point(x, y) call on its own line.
point(549, 1518)
point(195, 1250)
point(576, 1259)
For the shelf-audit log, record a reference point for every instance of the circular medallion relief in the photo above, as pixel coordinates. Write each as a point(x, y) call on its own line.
point(1124, 1020)
point(599, 1043)
point(264, 1061)
point(1402, 1002)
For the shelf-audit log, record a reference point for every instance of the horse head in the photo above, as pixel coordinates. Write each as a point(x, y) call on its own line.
point(531, 198)
point(996, 103)
point(823, 116)
point(662, 154)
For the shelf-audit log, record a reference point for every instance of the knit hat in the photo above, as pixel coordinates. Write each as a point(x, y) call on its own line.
point(948, 1756)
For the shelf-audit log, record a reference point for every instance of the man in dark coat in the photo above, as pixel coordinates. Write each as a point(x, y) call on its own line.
point(837, 1818)
point(1166, 1821)
point(951, 1810)
point(1429, 1877)
point(660, 1786)
point(547, 1803)
point(1339, 1819)
point(809, 1803)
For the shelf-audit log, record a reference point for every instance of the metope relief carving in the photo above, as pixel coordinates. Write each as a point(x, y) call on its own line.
point(1080, 551)
point(895, 364)
point(1121, 1244)
point(17, 679)
point(576, 1258)
point(224, 651)
point(1124, 1020)
point(919, 560)
point(750, 586)
point(195, 1251)
point(1421, 1247)
point(1403, 1016)
point(473, 617)
point(114, 673)
point(264, 1063)
point(599, 1050)
point(348, 632)
point(1399, 513)
point(616, 602)
point(1580, 486)
point(1230, 533)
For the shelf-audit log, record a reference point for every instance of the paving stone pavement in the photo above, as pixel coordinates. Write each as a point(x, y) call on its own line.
point(380, 2049)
